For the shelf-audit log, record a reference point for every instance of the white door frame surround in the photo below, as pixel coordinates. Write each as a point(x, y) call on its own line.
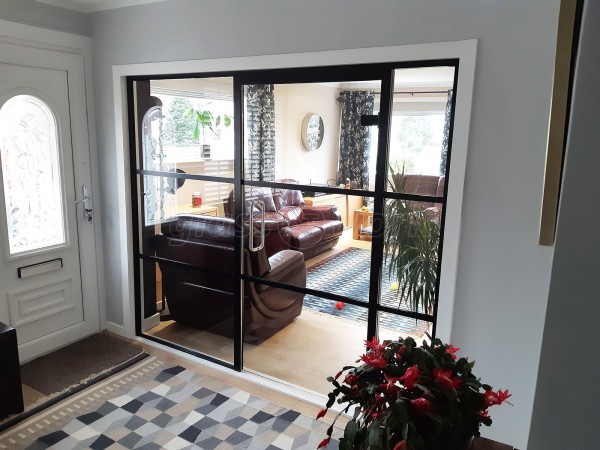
point(465, 51)
point(72, 53)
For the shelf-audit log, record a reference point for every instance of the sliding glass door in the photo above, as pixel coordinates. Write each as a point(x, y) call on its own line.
point(283, 217)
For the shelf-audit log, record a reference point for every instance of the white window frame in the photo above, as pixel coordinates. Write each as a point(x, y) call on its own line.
point(464, 51)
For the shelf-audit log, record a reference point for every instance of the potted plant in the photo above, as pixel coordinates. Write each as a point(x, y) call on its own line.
point(411, 397)
point(206, 121)
point(411, 248)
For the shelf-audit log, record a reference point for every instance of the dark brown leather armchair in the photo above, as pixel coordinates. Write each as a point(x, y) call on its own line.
point(200, 294)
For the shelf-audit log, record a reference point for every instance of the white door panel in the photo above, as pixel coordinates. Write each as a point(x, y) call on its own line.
point(42, 293)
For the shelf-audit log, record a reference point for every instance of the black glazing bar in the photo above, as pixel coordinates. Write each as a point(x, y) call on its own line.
point(337, 73)
point(238, 243)
point(377, 245)
point(185, 176)
point(187, 266)
point(134, 154)
point(335, 297)
point(406, 313)
point(443, 216)
point(310, 187)
point(414, 197)
point(188, 350)
point(304, 290)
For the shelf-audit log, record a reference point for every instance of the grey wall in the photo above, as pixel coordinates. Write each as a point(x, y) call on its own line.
point(503, 275)
point(569, 366)
point(31, 12)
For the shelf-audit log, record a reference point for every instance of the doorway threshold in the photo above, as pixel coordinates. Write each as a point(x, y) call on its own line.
point(276, 386)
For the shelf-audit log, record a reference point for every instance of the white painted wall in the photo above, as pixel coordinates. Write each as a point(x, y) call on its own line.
point(567, 400)
point(292, 103)
point(503, 275)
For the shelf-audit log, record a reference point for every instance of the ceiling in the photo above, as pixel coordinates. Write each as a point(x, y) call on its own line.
point(95, 5)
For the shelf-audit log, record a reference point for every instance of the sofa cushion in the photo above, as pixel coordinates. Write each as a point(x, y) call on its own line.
point(288, 197)
point(306, 235)
point(273, 221)
point(258, 193)
point(292, 214)
point(330, 228)
point(421, 184)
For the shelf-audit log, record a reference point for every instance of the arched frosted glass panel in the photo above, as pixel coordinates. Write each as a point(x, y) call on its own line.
point(31, 174)
point(159, 192)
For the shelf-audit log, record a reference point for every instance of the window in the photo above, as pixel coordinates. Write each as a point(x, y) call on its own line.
point(30, 155)
point(179, 142)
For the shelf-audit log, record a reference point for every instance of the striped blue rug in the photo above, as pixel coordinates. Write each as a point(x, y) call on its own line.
point(347, 273)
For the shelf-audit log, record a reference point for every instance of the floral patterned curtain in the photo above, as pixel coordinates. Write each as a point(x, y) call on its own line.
point(446, 137)
point(259, 163)
point(355, 139)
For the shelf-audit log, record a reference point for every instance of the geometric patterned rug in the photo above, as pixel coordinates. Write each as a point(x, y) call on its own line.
point(347, 273)
point(154, 405)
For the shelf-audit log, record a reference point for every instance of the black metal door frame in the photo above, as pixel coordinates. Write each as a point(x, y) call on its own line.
point(360, 72)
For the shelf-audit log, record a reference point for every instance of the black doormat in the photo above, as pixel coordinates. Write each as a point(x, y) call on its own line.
point(349, 271)
point(73, 368)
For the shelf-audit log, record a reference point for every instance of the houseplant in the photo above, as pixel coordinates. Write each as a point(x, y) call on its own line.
point(411, 397)
point(411, 247)
point(206, 120)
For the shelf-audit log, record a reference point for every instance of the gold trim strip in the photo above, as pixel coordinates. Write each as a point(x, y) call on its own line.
point(558, 121)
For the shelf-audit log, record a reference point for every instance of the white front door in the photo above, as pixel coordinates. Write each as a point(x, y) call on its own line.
point(47, 290)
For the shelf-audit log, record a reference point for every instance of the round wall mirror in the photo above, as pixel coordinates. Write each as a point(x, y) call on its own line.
point(312, 131)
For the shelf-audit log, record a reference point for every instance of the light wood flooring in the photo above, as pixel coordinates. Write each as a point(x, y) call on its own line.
point(304, 353)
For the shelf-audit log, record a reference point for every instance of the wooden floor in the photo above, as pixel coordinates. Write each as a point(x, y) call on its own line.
point(304, 353)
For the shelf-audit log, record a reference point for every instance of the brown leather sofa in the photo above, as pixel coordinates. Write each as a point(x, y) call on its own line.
point(201, 295)
point(432, 185)
point(289, 223)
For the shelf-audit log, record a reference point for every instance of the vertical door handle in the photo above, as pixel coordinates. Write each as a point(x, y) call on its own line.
point(261, 206)
point(85, 201)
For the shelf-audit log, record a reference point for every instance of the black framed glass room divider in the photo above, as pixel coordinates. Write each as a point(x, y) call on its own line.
point(337, 235)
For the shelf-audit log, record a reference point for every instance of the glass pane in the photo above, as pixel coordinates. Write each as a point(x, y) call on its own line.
point(324, 229)
point(420, 126)
point(197, 120)
point(180, 196)
point(31, 173)
point(411, 255)
point(310, 133)
point(300, 351)
point(196, 300)
point(393, 326)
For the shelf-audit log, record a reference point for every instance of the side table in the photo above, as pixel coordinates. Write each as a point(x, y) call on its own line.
point(361, 218)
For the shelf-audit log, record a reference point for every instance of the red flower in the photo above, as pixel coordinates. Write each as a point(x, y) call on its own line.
point(495, 398)
point(410, 376)
point(374, 344)
point(400, 446)
point(380, 401)
point(350, 379)
point(444, 377)
point(451, 349)
point(321, 413)
point(422, 404)
point(375, 359)
point(324, 442)
point(339, 305)
point(390, 385)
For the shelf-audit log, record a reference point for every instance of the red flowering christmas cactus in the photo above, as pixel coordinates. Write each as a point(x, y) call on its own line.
point(411, 397)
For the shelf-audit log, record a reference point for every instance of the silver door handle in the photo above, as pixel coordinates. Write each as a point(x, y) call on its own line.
point(85, 201)
point(261, 207)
